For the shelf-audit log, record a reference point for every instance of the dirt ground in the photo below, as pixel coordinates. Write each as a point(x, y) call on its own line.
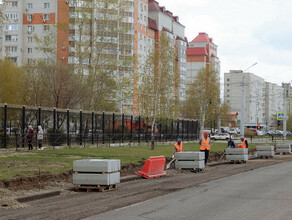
point(76, 205)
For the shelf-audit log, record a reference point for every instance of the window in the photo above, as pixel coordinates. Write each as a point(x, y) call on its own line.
point(227, 84)
point(29, 18)
point(11, 27)
point(29, 28)
point(11, 49)
point(46, 16)
point(11, 15)
point(29, 50)
point(29, 39)
point(228, 90)
point(13, 59)
point(29, 5)
point(47, 5)
point(11, 4)
point(46, 27)
point(7, 37)
point(14, 38)
point(228, 80)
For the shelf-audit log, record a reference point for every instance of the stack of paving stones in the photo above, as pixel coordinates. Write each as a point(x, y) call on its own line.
point(283, 148)
point(265, 151)
point(190, 160)
point(96, 174)
point(237, 154)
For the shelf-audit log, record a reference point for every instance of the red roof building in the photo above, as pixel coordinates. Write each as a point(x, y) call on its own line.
point(201, 52)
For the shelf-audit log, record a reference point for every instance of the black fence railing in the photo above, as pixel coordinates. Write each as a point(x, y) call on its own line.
point(70, 127)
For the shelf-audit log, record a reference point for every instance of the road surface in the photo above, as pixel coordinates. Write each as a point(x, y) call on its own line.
point(264, 193)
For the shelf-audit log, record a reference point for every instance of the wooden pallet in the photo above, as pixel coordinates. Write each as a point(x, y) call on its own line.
point(237, 161)
point(99, 188)
point(195, 170)
point(265, 157)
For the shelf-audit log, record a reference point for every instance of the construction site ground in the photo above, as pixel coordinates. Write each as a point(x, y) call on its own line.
point(55, 199)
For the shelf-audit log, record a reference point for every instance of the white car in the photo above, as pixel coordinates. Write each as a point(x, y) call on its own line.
point(220, 136)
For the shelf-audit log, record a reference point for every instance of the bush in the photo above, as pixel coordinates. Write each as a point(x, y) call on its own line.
point(57, 138)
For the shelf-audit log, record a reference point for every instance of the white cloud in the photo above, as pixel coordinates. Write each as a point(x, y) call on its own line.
point(245, 32)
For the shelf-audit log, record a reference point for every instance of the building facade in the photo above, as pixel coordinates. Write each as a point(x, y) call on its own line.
point(201, 52)
point(262, 99)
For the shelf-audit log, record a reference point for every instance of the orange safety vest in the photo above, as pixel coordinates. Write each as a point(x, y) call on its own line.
point(205, 144)
point(178, 148)
point(243, 144)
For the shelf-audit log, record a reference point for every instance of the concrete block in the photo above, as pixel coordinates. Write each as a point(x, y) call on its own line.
point(285, 146)
point(236, 151)
point(265, 148)
point(283, 150)
point(96, 179)
point(190, 155)
point(184, 164)
point(96, 165)
point(237, 157)
point(266, 153)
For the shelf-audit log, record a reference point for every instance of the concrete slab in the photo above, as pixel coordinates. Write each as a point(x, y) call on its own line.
point(96, 165)
point(283, 146)
point(190, 155)
point(96, 179)
point(265, 148)
point(236, 151)
point(237, 157)
point(181, 164)
point(266, 153)
point(283, 150)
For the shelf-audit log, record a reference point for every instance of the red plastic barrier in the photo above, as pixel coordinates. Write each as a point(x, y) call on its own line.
point(153, 168)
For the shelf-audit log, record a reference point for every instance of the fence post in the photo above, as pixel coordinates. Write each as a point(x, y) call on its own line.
point(80, 129)
point(182, 128)
point(103, 127)
point(177, 129)
point(23, 126)
point(68, 128)
point(123, 118)
point(39, 115)
point(131, 128)
point(54, 126)
point(5, 126)
point(113, 131)
point(92, 128)
point(139, 131)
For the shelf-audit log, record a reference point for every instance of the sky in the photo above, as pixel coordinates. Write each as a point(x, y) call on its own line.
point(245, 31)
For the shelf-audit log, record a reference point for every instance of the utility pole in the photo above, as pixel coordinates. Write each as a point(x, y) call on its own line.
point(285, 113)
point(242, 111)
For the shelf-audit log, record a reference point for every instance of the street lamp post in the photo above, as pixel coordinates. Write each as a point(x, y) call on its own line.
point(286, 86)
point(242, 111)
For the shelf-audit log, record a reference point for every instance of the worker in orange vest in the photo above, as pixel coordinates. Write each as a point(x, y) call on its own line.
point(205, 145)
point(178, 147)
point(244, 143)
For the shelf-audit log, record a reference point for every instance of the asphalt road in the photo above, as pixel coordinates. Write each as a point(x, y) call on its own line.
point(263, 193)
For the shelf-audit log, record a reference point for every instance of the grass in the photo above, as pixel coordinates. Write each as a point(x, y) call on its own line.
point(28, 163)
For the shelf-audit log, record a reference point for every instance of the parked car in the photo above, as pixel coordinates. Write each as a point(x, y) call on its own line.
point(260, 133)
point(223, 136)
point(271, 133)
point(254, 131)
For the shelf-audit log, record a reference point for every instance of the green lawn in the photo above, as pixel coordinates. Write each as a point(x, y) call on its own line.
point(28, 163)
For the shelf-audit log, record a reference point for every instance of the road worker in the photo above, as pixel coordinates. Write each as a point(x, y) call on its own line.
point(230, 143)
point(244, 143)
point(178, 147)
point(205, 145)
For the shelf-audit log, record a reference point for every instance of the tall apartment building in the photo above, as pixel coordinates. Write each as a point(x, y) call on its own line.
point(201, 52)
point(262, 99)
point(81, 25)
point(274, 101)
point(288, 88)
point(255, 111)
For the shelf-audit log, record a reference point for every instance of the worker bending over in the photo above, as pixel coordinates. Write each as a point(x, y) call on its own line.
point(205, 145)
point(178, 147)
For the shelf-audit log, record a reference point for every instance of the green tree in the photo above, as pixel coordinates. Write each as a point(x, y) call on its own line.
point(203, 97)
point(10, 82)
point(156, 96)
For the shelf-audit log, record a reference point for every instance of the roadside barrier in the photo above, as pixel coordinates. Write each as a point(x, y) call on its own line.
point(265, 151)
point(237, 154)
point(153, 168)
point(190, 160)
point(283, 148)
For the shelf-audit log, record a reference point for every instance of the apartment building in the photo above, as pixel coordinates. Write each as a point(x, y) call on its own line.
point(88, 28)
point(262, 99)
point(288, 88)
point(201, 52)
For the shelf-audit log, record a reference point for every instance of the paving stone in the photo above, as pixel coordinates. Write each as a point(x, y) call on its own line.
point(266, 153)
point(236, 151)
point(96, 165)
point(190, 155)
point(96, 179)
point(237, 157)
point(265, 148)
point(184, 164)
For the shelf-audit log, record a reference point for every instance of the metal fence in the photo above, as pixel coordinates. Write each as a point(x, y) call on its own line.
point(71, 127)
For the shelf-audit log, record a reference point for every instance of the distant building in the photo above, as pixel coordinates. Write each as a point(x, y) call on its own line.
point(262, 99)
point(288, 88)
point(201, 52)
